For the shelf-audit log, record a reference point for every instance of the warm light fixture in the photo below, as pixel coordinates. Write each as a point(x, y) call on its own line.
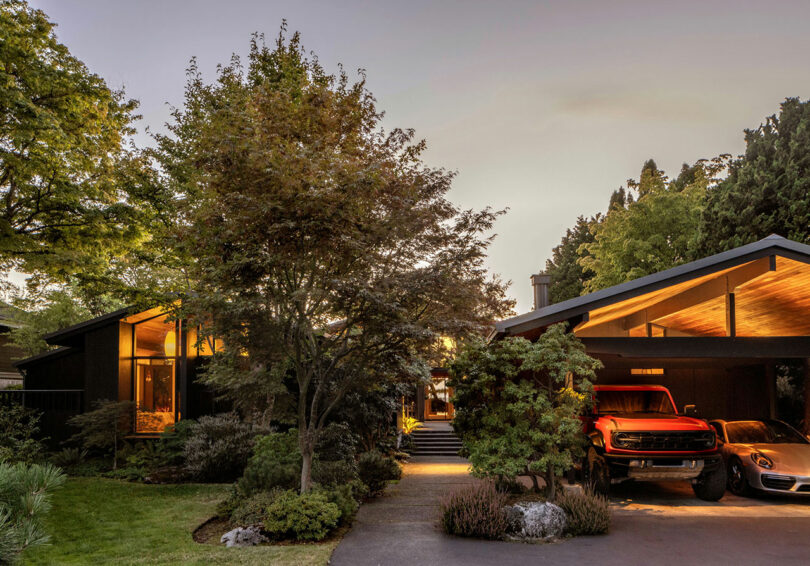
point(170, 344)
point(647, 371)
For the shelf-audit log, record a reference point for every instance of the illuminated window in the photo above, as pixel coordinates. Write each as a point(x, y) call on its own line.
point(156, 350)
point(647, 371)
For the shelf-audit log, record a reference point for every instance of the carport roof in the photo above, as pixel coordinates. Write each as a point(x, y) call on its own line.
point(773, 245)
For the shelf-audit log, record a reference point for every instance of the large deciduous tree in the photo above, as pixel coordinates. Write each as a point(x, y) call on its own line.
point(517, 404)
point(325, 254)
point(73, 196)
point(767, 189)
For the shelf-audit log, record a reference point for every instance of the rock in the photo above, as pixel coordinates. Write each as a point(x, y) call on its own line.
point(248, 536)
point(536, 520)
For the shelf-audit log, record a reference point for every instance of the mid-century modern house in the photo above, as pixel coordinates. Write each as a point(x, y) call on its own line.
point(143, 357)
point(711, 330)
point(9, 353)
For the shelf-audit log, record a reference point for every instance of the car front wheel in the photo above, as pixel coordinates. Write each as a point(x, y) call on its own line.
point(710, 486)
point(737, 482)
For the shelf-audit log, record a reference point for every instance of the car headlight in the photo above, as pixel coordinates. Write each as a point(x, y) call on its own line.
point(762, 460)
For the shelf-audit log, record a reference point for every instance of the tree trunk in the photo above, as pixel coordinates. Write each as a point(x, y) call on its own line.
point(551, 484)
point(534, 483)
point(306, 471)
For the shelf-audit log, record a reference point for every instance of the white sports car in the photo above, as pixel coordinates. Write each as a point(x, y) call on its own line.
point(766, 455)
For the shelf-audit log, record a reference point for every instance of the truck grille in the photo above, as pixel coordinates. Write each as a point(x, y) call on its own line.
point(664, 441)
point(772, 481)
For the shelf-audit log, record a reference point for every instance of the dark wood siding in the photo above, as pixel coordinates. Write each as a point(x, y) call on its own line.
point(723, 389)
point(64, 370)
point(101, 364)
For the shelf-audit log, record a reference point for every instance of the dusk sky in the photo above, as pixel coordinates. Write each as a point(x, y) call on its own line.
point(542, 107)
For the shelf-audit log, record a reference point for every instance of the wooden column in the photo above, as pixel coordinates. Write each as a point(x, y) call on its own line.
point(731, 315)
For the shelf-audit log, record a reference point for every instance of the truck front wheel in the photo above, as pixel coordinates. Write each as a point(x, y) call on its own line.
point(596, 472)
point(711, 485)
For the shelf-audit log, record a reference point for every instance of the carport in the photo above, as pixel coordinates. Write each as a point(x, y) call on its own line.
point(712, 330)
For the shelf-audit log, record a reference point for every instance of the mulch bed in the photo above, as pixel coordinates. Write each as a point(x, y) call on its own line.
point(211, 531)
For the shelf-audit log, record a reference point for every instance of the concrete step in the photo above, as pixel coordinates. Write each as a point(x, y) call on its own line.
point(435, 442)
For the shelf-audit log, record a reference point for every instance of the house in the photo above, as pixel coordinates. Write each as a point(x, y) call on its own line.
point(145, 357)
point(9, 353)
point(712, 330)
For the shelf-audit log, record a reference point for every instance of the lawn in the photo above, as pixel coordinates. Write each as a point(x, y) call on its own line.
point(102, 521)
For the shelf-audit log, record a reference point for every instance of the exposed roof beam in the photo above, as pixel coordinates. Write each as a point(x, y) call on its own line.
point(710, 289)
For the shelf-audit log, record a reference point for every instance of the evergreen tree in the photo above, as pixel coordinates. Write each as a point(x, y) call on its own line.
point(767, 190)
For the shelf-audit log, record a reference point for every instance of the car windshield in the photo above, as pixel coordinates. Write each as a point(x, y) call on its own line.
point(762, 432)
point(633, 401)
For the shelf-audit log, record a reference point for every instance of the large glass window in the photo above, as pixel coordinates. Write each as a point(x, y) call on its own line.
point(155, 367)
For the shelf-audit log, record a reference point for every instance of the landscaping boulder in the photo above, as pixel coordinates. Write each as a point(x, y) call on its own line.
point(535, 520)
point(248, 536)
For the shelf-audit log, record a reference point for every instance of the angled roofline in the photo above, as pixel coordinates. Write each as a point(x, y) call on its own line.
point(559, 312)
point(49, 354)
point(60, 336)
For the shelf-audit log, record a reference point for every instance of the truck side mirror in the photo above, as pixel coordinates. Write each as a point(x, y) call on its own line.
point(690, 411)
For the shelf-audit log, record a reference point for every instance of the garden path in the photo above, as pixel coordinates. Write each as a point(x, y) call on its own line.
point(401, 529)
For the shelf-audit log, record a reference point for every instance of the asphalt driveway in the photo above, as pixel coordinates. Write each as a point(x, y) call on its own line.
point(652, 524)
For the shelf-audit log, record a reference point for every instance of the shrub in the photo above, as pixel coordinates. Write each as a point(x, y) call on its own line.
point(275, 463)
point(345, 499)
point(475, 511)
point(588, 513)
point(25, 492)
point(69, 458)
point(18, 430)
point(102, 429)
point(172, 443)
point(253, 510)
point(336, 443)
point(303, 517)
point(219, 447)
point(376, 470)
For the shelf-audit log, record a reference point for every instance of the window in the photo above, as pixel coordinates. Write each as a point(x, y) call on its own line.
point(156, 350)
point(647, 371)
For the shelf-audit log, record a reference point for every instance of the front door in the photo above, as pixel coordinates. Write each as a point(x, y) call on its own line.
point(437, 400)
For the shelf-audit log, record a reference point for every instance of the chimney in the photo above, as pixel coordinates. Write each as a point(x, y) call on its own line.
point(540, 283)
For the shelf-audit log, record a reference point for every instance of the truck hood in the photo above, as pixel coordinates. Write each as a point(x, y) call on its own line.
point(653, 422)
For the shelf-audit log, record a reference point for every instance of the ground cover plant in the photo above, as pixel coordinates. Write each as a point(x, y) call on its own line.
point(475, 511)
point(103, 521)
point(587, 513)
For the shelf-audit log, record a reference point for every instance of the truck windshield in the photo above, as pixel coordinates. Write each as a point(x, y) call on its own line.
point(762, 432)
point(633, 401)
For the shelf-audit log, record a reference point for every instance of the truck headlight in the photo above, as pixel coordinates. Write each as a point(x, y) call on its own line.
point(762, 460)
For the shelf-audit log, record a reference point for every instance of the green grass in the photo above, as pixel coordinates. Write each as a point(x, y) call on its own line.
point(102, 521)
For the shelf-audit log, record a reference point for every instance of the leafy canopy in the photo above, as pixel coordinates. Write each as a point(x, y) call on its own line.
point(517, 404)
point(73, 197)
point(323, 252)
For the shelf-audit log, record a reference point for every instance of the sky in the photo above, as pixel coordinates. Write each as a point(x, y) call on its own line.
point(543, 108)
